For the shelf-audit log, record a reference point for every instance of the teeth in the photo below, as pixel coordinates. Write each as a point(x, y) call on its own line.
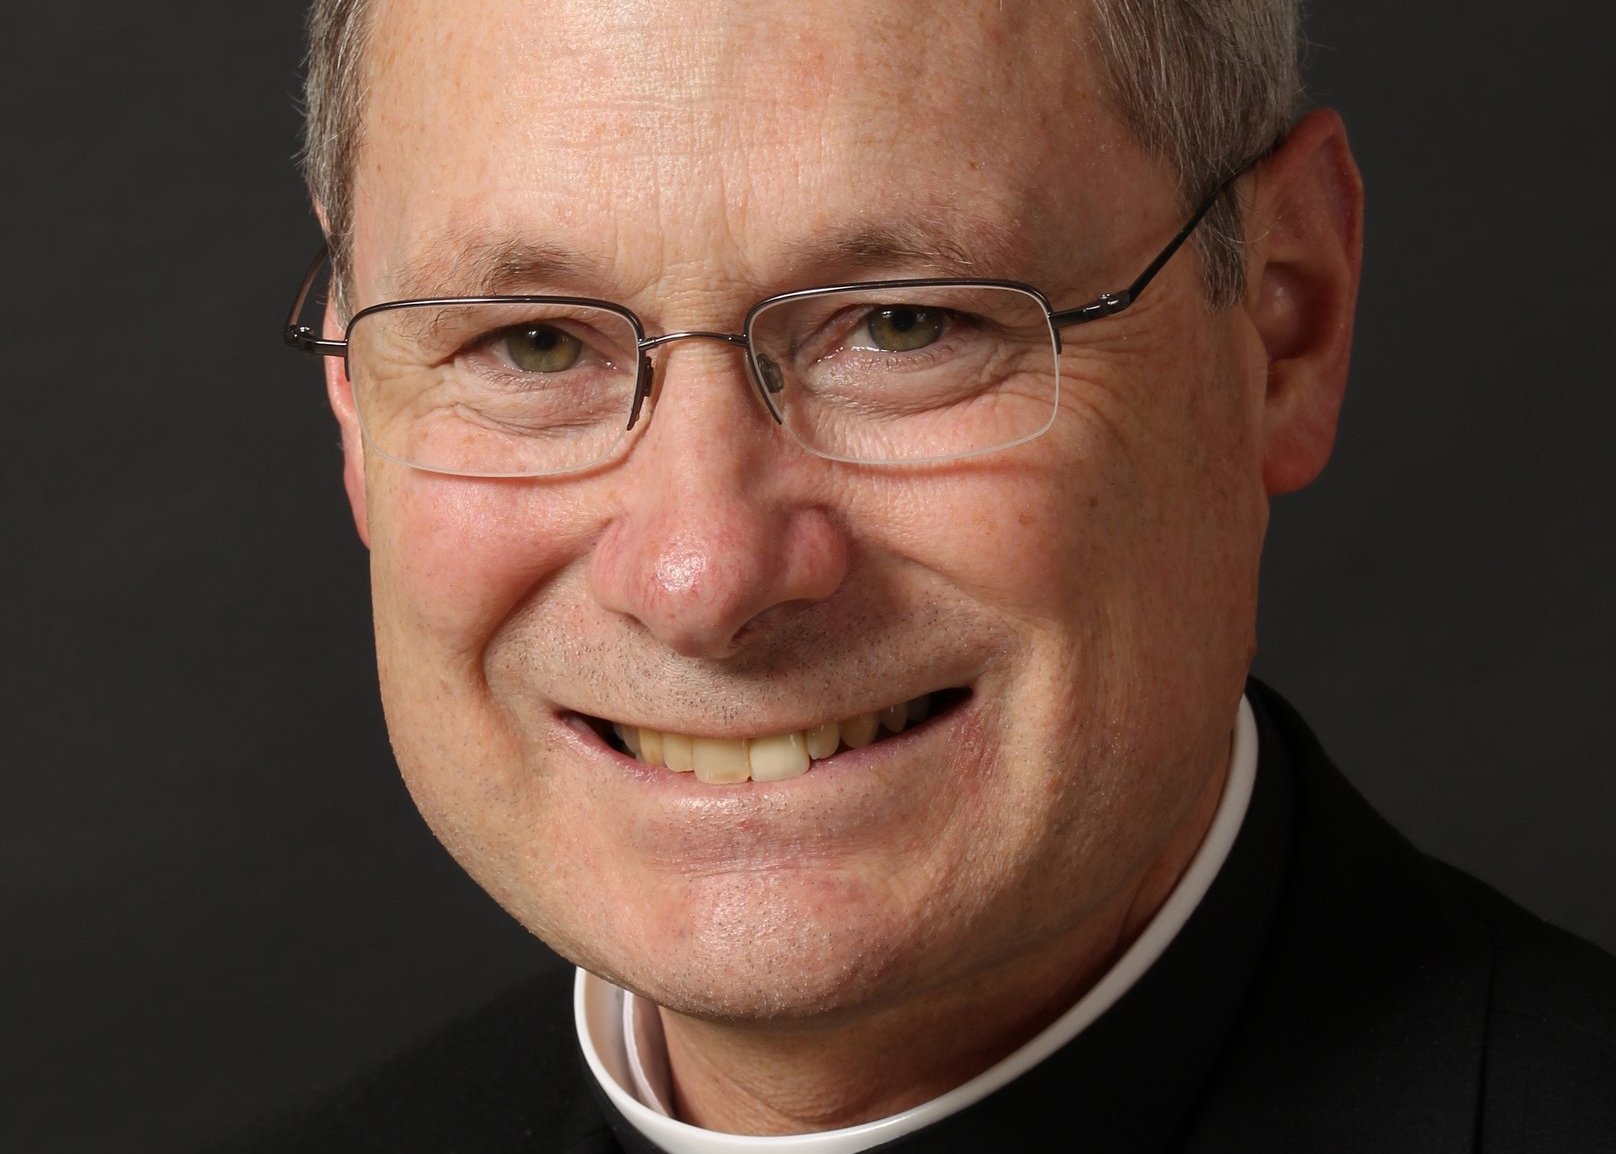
point(724, 761)
point(676, 751)
point(860, 731)
point(823, 739)
point(719, 761)
point(777, 758)
point(629, 736)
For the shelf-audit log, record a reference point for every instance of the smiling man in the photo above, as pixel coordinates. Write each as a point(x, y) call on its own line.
point(815, 460)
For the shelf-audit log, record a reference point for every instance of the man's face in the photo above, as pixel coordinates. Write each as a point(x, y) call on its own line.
point(1086, 600)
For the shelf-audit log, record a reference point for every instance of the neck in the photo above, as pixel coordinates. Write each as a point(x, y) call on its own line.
point(800, 1077)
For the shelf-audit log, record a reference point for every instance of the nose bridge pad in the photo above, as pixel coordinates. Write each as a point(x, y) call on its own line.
point(642, 389)
point(763, 372)
point(770, 381)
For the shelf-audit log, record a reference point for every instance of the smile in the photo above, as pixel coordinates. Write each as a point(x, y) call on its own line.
point(773, 757)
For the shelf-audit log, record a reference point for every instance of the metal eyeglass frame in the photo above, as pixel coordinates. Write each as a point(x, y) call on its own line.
point(303, 338)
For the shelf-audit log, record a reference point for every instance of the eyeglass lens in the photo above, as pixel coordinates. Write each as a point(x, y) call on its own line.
point(875, 375)
point(908, 374)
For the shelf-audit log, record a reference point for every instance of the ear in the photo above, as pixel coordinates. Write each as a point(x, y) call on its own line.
point(340, 391)
point(1305, 230)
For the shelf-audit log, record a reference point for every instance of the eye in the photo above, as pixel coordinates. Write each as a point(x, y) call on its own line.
point(904, 328)
point(541, 349)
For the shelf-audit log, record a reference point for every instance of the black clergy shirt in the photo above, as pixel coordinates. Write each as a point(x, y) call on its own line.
point(1335, 990)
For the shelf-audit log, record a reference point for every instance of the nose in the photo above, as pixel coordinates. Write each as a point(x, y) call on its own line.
point(721, 523)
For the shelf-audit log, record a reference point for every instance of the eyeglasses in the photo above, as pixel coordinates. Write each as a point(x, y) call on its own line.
point(881, 373)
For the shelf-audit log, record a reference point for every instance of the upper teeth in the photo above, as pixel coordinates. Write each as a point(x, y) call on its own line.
point(775, 757)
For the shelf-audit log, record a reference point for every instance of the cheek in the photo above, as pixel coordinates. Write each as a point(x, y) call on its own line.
point(1121, 548)
point(1169, 452)
point(454, 557)
point(452, 560)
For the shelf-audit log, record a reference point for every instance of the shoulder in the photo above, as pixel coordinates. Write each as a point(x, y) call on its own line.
point(1550, 1080)
point(1395, 980)
point(506, 1077)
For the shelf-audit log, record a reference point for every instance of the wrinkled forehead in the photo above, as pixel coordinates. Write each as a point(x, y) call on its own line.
point(643, 140)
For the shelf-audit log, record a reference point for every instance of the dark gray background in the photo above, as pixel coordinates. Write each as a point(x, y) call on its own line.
point(215, 892)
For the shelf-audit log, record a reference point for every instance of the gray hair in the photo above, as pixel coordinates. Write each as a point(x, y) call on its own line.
point(1209, 86)
point(1205, 84)
point(333, 122)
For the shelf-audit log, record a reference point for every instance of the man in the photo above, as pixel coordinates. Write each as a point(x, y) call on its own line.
point(815, 461)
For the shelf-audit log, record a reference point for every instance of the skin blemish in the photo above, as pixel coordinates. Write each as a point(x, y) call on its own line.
point(680, 573)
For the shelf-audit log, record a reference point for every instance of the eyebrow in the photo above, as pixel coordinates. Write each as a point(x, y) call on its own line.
point(907, 247)
point(491, 266)
point(463, 265)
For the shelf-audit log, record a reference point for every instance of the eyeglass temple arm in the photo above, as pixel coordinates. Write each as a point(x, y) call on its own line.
point(1109, 304)
point(301, 337)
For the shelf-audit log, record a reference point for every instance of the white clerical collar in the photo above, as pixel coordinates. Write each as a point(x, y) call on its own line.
point(621, 1034)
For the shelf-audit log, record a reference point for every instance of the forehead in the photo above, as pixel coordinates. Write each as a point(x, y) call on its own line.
point(739, 141)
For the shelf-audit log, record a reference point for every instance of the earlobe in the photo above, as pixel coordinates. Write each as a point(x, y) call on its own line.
point(1305, 233)
point(339, 389)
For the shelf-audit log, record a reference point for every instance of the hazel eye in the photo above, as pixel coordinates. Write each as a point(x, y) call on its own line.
point(904, 328)
point(542, 349)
